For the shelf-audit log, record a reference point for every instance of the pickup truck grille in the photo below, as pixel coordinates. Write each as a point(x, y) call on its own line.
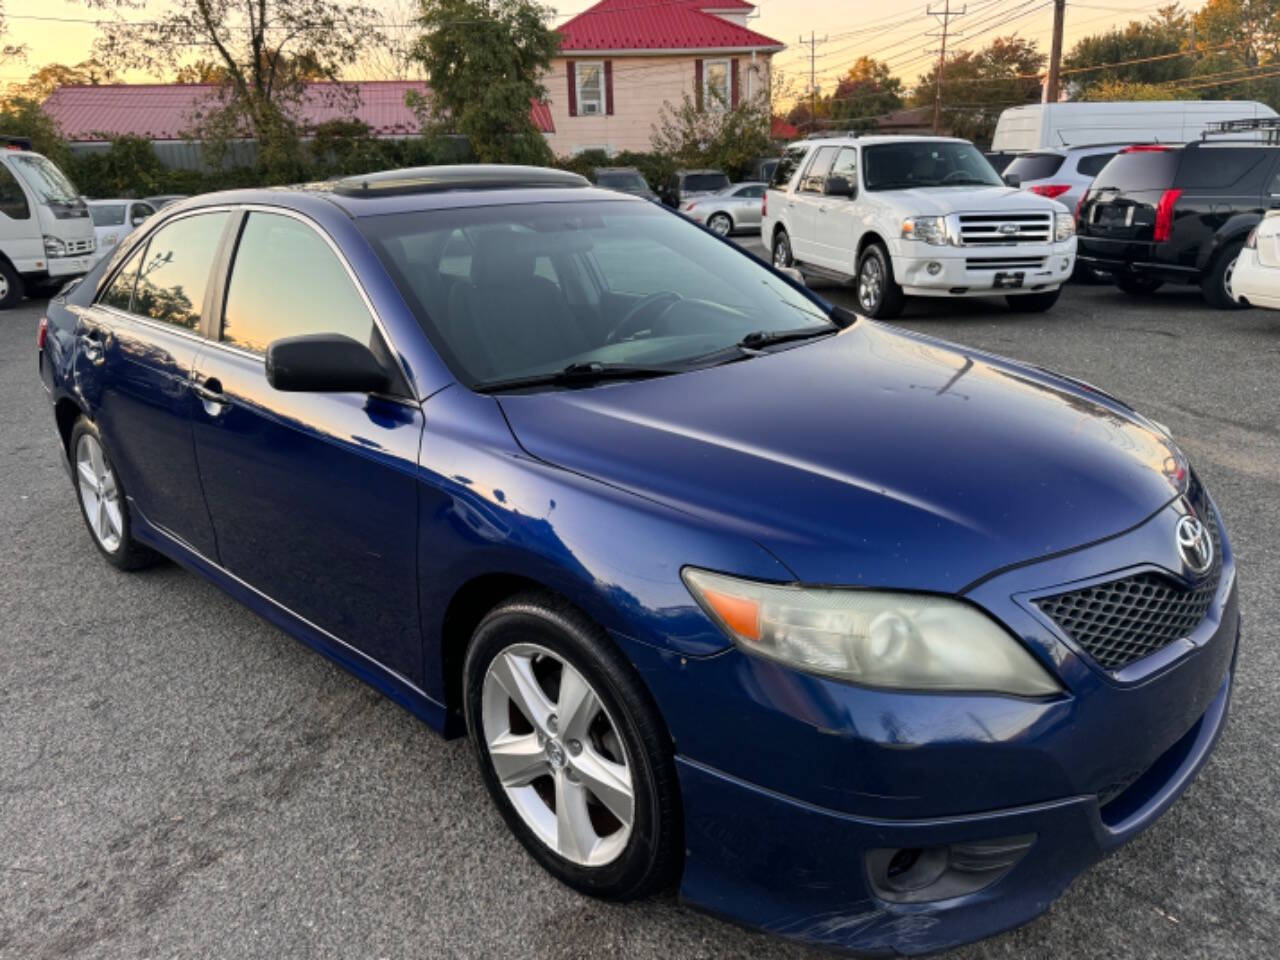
point(1004, 263)
point(980, 228)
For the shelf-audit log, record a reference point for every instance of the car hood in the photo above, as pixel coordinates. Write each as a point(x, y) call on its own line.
point(874, 457)
point(939, 201)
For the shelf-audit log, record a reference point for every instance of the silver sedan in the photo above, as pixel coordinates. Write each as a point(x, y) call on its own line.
point(735, 208)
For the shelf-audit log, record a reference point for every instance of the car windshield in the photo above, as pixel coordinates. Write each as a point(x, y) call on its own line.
point(622, 181)
point(526, 290)
point(107, 214)
point(42, 176)
point(705, 182)
point(926, 163)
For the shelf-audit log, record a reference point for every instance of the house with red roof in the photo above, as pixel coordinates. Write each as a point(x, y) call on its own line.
point(622, 60)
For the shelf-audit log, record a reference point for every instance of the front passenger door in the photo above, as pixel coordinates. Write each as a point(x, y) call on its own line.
point(313, 496)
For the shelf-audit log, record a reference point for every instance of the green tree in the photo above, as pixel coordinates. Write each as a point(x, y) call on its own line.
point(867, 91)
point(265, 51)
point(1239, 44)
point(48, 78)
point(728, 139)
point(24, 117)
point(978, 85)
point(484, 62)
point(1131, 90)
point(1168, 31)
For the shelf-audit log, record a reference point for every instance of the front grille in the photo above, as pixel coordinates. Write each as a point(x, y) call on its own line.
point(980, 228)
point(79, 246)
point(1004, 263)
point(1120, 622)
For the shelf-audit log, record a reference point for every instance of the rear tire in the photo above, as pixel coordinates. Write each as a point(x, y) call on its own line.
point(781, 252)
point(1216, 287)
point(12, 288)
point(721, 224)
point(878, 294)
point(1138, 286)
point(1033, 302)
point(103, 502)
point(534, 642)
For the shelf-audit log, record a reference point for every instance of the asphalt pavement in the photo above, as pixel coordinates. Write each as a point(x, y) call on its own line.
point(179, 779)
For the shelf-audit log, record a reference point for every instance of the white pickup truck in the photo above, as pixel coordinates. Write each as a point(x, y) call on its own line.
point(912, 216)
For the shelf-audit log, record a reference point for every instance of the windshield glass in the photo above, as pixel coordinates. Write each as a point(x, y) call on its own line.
point(705, 182)
point(926, 163)
point(525, 290)
point(50, 184)
point(107, 214)
point(622, 181)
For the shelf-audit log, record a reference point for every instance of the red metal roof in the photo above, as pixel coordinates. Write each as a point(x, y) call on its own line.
point(660, 25)
point(166, 111)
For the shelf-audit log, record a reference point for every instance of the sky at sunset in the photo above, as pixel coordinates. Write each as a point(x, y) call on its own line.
point(890, 30)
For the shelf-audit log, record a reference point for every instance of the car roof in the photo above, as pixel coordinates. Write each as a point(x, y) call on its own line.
point(103, 202)
point(685, 173)
point(845, 139)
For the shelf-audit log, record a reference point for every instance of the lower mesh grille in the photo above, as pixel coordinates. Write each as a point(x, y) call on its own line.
point(1120, 622)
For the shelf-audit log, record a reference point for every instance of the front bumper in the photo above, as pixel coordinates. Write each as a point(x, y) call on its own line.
point(981, 271)
point(70, 266)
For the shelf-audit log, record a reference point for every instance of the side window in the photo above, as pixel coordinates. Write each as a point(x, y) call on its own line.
point(120, 292)
point(141, 209)
point(286, 282)
point(818, 168)
point(786, 168)
point(175, 270)
point(13, 202)
point(1092, 166)
point(751, 193)
point(846, 165)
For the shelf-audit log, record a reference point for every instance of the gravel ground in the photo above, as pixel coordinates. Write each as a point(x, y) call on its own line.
point(180, 779)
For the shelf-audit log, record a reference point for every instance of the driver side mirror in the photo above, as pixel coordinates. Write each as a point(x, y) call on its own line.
point(324, 363)
point(138, 219)
point(839, 187)
point(1013, 180)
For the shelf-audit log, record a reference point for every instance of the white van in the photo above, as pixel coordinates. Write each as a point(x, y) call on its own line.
point(46, 235)
point(1036, 126)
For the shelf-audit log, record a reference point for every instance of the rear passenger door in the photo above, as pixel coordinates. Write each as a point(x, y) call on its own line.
point(808, 208)
point(313, 496)
point(839, 224)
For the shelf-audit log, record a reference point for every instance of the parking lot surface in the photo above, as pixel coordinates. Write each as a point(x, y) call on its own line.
point(180, 779)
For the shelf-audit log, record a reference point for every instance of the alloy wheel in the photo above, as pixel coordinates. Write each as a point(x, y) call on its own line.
point(719, 225)
point(99, 493)
point(4, 286)
point(1227, 275)
point(557, 754)
point(782, 252)
point(870, 284)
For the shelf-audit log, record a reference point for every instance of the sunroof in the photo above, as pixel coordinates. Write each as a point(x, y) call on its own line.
point(388, 183)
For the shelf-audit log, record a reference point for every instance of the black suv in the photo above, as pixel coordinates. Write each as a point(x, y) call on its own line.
point(1178, 214)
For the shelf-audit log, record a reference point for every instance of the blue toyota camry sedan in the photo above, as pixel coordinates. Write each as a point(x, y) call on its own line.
point(860, 637)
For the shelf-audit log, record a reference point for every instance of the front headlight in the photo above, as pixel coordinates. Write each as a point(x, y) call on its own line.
point(1064, 227)
point(906, 641)
point(929, 229)
point(53, 247)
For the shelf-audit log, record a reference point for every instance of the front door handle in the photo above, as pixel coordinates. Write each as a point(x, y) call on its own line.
point(210, 392)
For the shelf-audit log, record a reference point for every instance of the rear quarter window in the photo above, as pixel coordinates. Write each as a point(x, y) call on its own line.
point(1144, 170)
point(1217, 168)
point(1091, 166)
point(1035, 166)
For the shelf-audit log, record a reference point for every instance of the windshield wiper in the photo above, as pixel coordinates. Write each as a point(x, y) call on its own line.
point(580, 374)
point(759, 339)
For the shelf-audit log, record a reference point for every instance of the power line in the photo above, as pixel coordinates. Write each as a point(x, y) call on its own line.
point(944, 18)
point(812, 43)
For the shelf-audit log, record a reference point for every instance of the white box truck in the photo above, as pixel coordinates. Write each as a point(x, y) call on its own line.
point(1036, 126)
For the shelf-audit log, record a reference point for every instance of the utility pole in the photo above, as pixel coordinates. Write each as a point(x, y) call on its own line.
point(1053, 87)
point(944, 17)
point(812, 44)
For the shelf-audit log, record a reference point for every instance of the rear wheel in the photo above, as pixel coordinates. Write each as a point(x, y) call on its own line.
point(1216, 287)
point(11, 287)
point(103, 503)
point(1138, 286)
point(572, 749)
point(1033, 302)
point(782, 250)
point(720, 224)
point(878, 294)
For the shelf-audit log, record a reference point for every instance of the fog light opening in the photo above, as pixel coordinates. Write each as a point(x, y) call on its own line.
point(934, 268)
point(914, 868)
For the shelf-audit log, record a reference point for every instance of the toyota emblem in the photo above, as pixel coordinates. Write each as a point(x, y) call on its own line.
point(1194, 544)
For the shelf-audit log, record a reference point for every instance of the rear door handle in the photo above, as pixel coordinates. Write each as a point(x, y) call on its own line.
point(92, 343)
point(210, 392)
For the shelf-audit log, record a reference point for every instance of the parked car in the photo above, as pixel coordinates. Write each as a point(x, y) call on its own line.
point(113, 220)
point(1161, 214)
point(725, 586)
point(1062, 174)
point(735, 209)
point(761, 171)
point(999, 160)
point(1255, 282)
point(623, 179)
point(46, 236)
point(1038, 126)
point(907, 216)
point(686, 185)
point(163, 200)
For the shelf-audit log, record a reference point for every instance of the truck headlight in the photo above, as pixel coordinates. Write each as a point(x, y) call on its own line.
point(1064, 227)
point(53, 247)
point(929, 229)
point(906, 641)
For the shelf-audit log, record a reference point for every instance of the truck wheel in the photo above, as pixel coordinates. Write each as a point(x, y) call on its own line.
point(782, 250)
point(11, 287)
point(1138, 286)
point(1033, 302)
point(878, 295)
point(1216, 287)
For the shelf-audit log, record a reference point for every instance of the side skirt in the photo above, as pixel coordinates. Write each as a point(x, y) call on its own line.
point(395, 687)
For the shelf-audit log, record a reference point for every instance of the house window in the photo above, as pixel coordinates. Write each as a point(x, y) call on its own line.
point(590, 88)
point(715, 85)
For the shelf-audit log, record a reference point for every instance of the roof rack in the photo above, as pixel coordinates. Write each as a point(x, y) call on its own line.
point(392, 183)
point(1270, 126)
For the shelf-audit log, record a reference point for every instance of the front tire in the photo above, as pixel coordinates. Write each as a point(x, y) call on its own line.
point(879, 296)
point(12, 289)
point(721, 224)
point(1216, 288)
point(1033, 302)
point(572, 749)
point(103, 502)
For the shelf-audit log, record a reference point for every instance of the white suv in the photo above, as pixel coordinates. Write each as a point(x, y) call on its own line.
point(914, 216)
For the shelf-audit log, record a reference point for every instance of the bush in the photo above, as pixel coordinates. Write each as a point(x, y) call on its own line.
point(655, 168)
